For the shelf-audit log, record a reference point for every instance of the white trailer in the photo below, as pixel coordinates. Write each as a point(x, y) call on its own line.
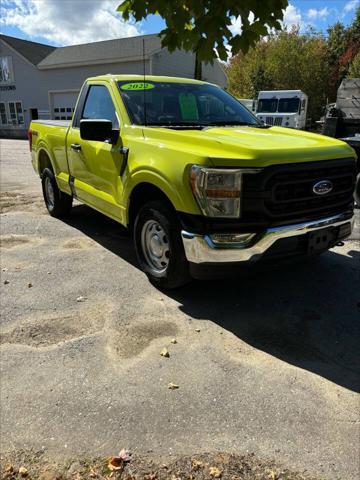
point(282, 108)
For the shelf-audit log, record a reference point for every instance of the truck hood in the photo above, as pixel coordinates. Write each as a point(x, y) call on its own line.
point(248, 146)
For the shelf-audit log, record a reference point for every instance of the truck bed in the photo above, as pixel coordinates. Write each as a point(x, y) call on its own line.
point(53, 123)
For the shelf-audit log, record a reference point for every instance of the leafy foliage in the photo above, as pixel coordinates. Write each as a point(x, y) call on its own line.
point(342, 47)
point(286, 60)
point(204, 25)
point(291, 60)
point(354, 69)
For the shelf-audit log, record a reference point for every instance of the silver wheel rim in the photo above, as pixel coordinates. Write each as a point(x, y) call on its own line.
point(155, 246)
point(49, 191)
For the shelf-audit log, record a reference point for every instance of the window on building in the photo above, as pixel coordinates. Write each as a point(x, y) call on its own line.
point(12, 112)
point(63, 113)
point(19, 113)
point(16, 113)
point(3, 115)
point(99, 105)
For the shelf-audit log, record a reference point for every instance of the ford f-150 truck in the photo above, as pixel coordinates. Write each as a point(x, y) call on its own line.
point(196, 177)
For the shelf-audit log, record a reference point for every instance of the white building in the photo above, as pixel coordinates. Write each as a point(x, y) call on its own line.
point(41, 81)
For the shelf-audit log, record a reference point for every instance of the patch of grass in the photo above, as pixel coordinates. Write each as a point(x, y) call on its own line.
point(197, 467)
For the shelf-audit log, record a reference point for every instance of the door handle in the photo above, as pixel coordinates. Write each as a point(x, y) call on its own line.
point(76, 147)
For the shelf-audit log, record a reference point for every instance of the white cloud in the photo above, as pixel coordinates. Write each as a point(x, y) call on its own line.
point(321, 13)
point(236, 24)
point(68, 22)
point(292, 16)
point(351, 5)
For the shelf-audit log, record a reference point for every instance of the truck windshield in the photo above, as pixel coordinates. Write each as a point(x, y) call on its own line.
point(267, 105)
point(289, 105)
point(185, 105)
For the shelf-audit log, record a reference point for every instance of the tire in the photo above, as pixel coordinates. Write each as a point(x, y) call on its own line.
point(159, 247)
point(58, 203)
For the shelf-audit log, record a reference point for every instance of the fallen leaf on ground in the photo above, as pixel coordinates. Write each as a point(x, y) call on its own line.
point(125, 455)
point(165, 353)
point(173, 340)
point(271, 475)
point(118, 462)
point(115, 463)
point(215, 472)
point(23, 471)
point(196, 464)
point(173, 386)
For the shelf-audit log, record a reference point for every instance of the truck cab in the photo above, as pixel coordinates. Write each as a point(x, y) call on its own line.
point(283, 108)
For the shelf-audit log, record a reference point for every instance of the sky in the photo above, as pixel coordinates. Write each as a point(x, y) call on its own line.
point(71, 22)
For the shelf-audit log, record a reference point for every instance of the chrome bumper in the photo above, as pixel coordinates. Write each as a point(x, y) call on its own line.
point(201, 248)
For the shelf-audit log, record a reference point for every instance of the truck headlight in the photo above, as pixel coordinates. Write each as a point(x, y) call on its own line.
point(217, 191)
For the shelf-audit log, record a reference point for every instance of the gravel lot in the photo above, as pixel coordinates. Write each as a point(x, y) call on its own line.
point(274, 369)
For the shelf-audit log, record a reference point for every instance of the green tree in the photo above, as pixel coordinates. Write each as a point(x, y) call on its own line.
point(342, 47)
point(283, 61)
point(354, 69)
point(204, 26)
point(247, 73)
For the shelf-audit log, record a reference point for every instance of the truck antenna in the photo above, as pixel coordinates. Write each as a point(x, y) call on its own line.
point(144, 86)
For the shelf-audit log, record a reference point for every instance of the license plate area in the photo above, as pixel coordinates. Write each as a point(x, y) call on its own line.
point(322, 239)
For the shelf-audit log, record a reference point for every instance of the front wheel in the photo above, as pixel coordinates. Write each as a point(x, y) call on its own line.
point(159, 248)
point(57, 202)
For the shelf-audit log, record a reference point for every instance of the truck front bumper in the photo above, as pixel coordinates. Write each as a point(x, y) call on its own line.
point(211, 249)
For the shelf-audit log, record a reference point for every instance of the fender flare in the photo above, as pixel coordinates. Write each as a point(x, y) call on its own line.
point(154, 178)
point(42, 147)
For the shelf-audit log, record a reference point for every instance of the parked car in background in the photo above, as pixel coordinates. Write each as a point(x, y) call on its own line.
point(283, 108)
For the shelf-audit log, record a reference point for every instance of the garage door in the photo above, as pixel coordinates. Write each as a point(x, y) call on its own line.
point(63, 104)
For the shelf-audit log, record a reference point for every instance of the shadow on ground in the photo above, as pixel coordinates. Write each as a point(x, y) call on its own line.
point(305, 314)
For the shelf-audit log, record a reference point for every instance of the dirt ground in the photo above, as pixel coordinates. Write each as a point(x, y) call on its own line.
point(267, 363)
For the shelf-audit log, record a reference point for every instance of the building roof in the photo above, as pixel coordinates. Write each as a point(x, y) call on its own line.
point(32, 51)
point(108, 51)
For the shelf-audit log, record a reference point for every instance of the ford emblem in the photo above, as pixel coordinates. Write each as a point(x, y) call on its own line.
point(323, 187)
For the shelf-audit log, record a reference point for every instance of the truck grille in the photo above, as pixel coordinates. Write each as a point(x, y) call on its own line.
point(274, 121)
point(285, 193)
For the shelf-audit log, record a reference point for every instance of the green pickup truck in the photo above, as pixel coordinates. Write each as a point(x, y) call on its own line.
point(201, 183)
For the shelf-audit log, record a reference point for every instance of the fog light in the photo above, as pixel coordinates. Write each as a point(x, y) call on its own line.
point(242, 239)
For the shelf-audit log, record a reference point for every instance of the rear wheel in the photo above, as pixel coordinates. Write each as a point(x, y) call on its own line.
point(159, 248)
point(58, 203)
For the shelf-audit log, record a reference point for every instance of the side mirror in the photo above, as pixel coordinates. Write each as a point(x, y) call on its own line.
point(98, 130)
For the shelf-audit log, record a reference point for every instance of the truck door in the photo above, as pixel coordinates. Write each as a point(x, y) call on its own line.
point(95, 166)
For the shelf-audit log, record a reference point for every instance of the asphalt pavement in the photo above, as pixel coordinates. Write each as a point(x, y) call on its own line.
point(267, 362)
